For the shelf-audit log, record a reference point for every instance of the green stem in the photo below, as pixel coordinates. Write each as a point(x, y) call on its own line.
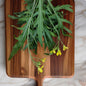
point(34, 5)
point(58, 19)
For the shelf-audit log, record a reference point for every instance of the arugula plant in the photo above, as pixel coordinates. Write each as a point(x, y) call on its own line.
point(41, 20)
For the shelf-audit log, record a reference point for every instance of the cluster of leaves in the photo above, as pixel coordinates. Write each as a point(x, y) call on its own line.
point(40, 22)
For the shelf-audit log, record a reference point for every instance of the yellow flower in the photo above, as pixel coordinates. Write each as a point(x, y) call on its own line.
point(64, 48)
point(59, 53)
point(42, 66)
point(40, 69)
point(53, 51)
point(43, 60)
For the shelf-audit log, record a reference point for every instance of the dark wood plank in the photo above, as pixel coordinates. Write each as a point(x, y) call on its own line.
point(64, 65)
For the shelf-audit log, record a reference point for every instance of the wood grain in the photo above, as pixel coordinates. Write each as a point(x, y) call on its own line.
point(22, 66)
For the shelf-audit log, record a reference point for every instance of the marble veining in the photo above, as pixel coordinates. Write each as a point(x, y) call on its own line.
point(79, 78)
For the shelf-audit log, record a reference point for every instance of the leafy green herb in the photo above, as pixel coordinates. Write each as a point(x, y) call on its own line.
point(41, 19)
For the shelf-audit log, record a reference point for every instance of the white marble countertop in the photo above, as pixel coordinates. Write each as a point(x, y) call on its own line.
point(79, 78)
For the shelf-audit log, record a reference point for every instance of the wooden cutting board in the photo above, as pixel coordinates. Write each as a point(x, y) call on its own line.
point(21, 65)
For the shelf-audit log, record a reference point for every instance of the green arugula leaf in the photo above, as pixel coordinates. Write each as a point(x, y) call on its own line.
point(40, 22)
